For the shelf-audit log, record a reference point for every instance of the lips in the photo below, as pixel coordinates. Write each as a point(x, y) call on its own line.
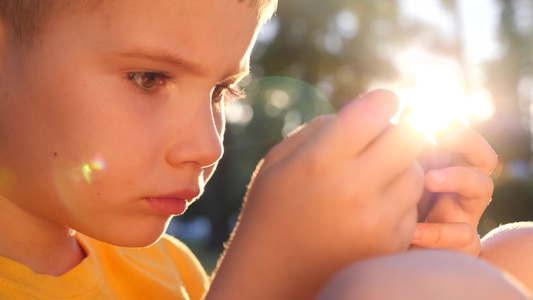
point(172, 204)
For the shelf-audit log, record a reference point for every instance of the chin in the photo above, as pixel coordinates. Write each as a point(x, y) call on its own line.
point(139, 236)
point(138, 242)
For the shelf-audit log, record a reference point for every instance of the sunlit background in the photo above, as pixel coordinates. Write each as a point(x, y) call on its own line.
point(468, 61)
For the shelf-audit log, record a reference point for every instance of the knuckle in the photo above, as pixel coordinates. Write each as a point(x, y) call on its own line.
point(492, 162)
point(488, 187)
point(466, 237)
point(433, 236)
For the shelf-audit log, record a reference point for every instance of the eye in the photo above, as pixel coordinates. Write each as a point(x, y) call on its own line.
point(148, 82)
point(225, 92)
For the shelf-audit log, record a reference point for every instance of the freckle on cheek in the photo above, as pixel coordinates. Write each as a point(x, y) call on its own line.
point(55, 154)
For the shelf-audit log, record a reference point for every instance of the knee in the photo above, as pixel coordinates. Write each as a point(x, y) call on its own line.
point(423, 274)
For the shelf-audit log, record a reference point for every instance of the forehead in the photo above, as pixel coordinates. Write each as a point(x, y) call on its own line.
point(204, 32)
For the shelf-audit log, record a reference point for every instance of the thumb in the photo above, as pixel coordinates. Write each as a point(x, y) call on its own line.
point(364, 119)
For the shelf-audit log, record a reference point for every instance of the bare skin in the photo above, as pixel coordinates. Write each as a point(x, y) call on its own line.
point(508, 247)
point(431, 274)
point(118, 106)
point(107, 112)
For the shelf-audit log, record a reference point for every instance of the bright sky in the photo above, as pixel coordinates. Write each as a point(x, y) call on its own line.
point(481, 18)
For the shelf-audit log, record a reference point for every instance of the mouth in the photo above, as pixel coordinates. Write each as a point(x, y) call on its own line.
point(172, 204)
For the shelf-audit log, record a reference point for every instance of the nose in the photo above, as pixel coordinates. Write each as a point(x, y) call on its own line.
point(199, 140)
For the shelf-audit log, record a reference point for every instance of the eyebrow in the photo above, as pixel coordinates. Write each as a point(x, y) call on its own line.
point(168, 57)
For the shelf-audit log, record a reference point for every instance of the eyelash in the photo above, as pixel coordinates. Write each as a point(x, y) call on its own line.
point(133, 78)
point(226, 93)
point(223, 92)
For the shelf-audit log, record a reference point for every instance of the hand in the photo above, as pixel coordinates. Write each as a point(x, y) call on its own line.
point(463, 190)
point(342, 189)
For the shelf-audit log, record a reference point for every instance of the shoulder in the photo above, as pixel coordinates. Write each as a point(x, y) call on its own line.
point(509, 247)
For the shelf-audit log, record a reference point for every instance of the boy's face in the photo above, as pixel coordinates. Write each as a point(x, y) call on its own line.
point(110, 120)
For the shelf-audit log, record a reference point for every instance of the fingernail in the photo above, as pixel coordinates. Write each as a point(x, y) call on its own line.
point(437, 177)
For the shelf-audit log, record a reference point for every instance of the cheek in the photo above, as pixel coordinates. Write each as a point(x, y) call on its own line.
point(102, 159)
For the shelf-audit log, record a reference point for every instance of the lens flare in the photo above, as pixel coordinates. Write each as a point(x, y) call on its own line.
point(438, 99)
point(97, 163)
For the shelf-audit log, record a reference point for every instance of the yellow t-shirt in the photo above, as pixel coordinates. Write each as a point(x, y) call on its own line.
point(166, 270)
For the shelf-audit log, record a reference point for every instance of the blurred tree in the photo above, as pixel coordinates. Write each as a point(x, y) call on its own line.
point(510, 80)
point(338, 46)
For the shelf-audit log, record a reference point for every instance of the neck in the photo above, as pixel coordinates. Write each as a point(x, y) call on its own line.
point(42, 245)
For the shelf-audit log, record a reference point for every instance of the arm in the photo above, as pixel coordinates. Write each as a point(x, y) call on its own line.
point(509, 247)
point(462, 190)
point(331, 194)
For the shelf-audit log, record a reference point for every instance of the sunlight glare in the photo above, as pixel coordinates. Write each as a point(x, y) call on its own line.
point(438, 99)
point(479, 105)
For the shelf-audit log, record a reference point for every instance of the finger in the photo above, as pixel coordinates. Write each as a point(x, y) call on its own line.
point(476, 151)
point(452, 236)
point(362, 120)
point(390, 154)
point(405, 190)
point(473, 187)
point(435, 157)
point(304, 130)
point(297, 137)
point(425, 204)
point(448, 208)
point(465, 181)
point(356, 125)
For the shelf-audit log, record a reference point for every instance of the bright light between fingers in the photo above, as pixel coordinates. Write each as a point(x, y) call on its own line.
point(438, 99)
point(479, 105)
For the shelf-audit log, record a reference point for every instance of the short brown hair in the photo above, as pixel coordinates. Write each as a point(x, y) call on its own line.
point(28, 18)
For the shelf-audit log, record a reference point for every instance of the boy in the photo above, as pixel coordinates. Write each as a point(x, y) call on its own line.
point(113, 123)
